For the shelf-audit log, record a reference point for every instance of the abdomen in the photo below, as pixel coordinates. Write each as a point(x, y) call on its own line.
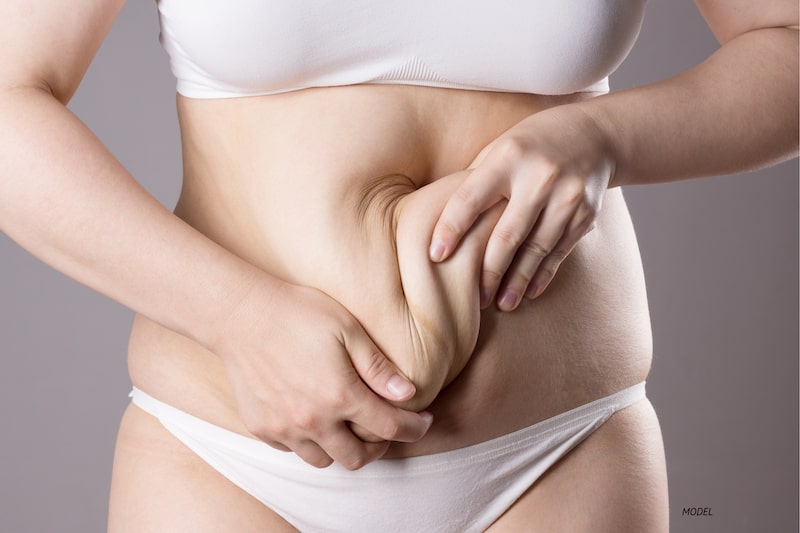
point(277, 188)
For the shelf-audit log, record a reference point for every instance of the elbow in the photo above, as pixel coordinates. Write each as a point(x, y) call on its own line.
point(13, 84)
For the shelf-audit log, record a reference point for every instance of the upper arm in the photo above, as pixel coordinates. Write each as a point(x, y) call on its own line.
point(731, 18)
point(50, 43)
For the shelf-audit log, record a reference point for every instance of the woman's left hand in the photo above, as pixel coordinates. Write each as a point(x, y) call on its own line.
point(553, 169)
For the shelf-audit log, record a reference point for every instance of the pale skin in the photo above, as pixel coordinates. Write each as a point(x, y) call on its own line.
point(651, 134)
point(209, 297)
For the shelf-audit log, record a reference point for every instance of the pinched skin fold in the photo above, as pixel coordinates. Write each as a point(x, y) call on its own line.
point(289, 186)
point(425, 316)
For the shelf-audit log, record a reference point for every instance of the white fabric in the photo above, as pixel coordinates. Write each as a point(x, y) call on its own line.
point(459, 491)
point(229, 48)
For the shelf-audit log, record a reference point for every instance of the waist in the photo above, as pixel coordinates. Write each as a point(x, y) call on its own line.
point(285, 183)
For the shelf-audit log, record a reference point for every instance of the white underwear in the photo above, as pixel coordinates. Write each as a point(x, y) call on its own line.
point(462, 490)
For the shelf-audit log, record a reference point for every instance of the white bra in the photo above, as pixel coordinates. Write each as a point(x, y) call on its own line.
point(230, 48)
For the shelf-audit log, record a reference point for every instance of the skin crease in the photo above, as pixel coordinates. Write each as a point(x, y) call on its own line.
point(111, 248)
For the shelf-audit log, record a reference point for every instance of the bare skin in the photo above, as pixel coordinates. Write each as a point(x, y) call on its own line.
point(735, 111)
point(343, 242)
point(333, 248)
point(217, 295)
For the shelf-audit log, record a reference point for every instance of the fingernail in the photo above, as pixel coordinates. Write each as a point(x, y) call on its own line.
point(399, 387)
point(508, 301)
point(437, 250)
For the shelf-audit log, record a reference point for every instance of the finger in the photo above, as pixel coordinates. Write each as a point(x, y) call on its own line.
point(537, 246)
point(363, 434)
point(480, 191)
point(544, 274)
point(385, 421)
point(351, 452)
point(511, 232)
point(380, 376)
point(374, 368)
point(277, 445)
point(312, 453)
point(548, 267)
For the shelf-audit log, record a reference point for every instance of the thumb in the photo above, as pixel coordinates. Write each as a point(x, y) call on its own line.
point(376, 370)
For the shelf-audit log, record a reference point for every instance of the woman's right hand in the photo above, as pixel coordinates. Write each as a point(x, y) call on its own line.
point(305, 376)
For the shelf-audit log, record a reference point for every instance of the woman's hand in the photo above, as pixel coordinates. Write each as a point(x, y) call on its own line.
point(296, 359)
point(553, 168)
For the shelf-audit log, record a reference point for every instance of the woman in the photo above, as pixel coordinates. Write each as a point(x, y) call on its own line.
point(544, 363)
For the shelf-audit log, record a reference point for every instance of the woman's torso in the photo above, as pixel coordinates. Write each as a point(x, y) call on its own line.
point(278, 180)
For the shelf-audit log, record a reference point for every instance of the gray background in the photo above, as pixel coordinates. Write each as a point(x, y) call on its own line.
point(720, 255)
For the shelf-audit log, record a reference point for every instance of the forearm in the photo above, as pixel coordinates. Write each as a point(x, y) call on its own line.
point(735, 111)
point(66, 199)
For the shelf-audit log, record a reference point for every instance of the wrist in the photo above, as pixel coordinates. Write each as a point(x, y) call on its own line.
point(598, 124)
point(242, 297)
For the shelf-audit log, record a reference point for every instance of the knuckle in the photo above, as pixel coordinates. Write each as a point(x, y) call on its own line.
point(557, 256)
point(519, 282)
point(509, 237)
point(547, 273)
point(307, 421)
point(511, 148)
point(550, 170)
point(533, 249)
point(392, 429)
point(491, 276)
point(469, 199)
point(339, 399)
point(548, 268)
point(575, 193)
point(376, 366)
point(449, 229)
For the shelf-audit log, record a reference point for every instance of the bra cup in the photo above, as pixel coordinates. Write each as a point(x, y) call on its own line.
point(222, 49)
